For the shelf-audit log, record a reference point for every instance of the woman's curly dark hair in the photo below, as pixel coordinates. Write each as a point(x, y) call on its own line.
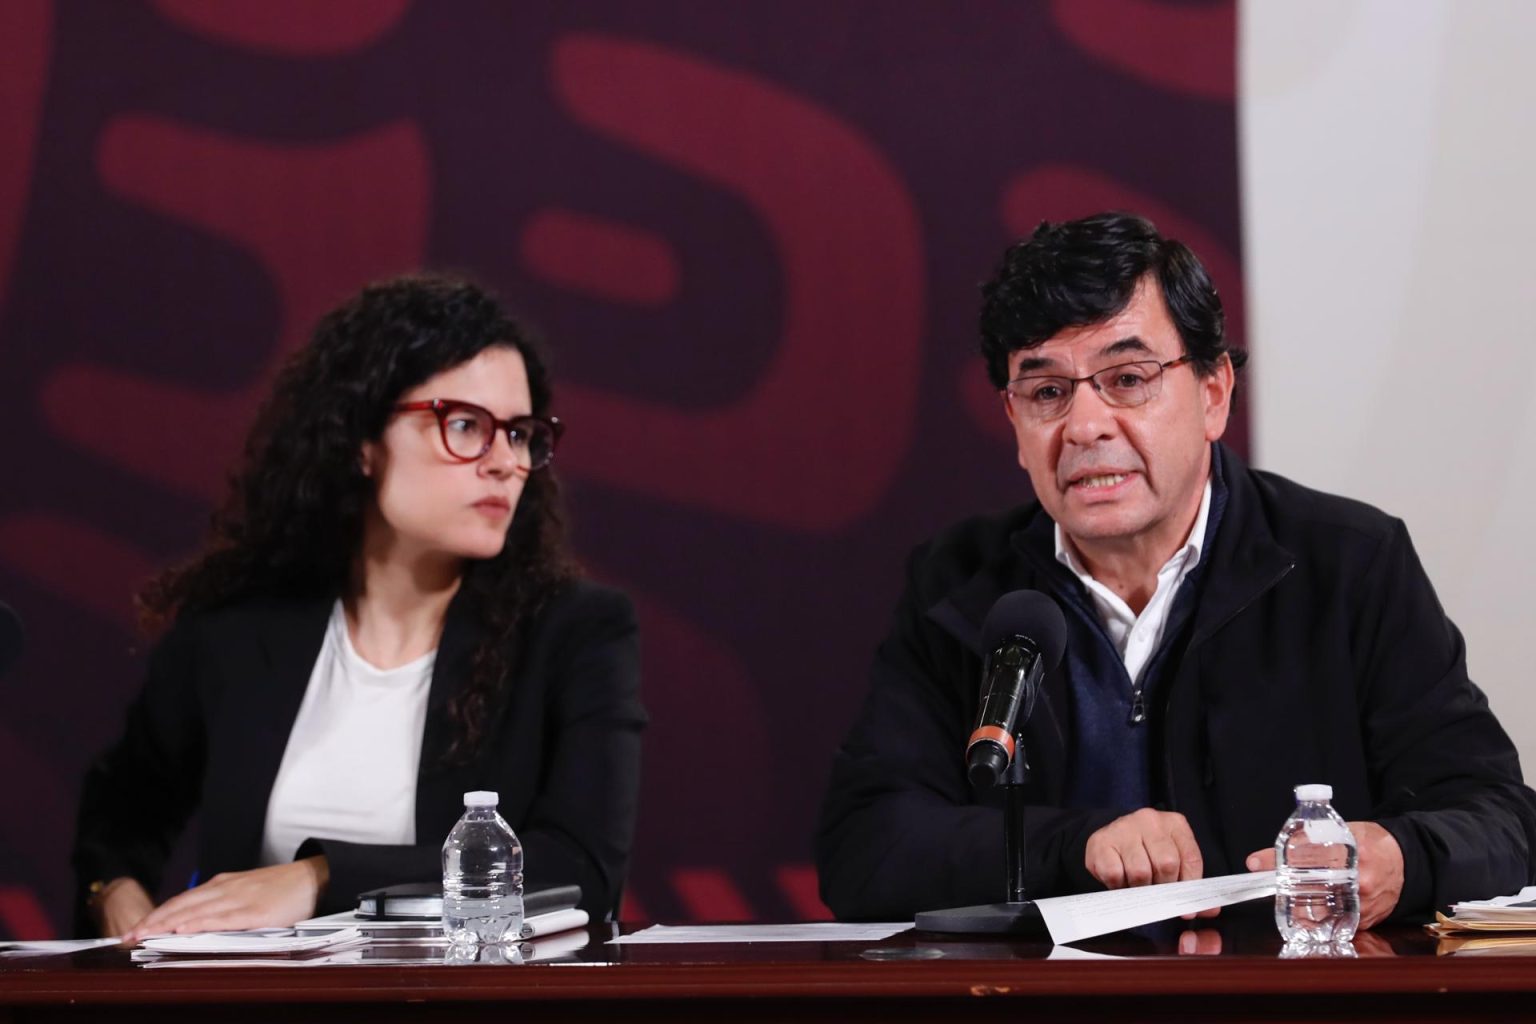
point(292, 523)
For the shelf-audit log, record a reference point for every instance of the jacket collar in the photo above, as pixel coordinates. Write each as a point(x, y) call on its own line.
point(962, 610)
point(268, 680)
point(961, 613)
point(1247, 560)
point(1244, 561)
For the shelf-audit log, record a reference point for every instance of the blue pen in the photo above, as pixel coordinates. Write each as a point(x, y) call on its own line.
point(192, 882)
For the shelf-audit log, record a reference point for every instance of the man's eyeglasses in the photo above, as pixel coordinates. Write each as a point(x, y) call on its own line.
point(469, 430)
point(1124, 386)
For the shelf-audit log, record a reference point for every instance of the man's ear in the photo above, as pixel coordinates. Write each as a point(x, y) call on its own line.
point(1013, 424)
point(1216, 394)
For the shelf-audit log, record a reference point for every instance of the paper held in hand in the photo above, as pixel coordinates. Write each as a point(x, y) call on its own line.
point(1070, 918)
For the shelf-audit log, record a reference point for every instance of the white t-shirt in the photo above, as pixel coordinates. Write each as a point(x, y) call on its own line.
point(1136, 636)
point(349, 770)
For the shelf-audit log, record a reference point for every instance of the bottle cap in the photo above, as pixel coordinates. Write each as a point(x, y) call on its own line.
point(1314, 791)
point(480, 798)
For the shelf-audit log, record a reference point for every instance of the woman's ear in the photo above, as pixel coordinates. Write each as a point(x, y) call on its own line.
point(366, 457)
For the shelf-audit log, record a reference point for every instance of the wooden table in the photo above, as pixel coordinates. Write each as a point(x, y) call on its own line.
point(1397, 975)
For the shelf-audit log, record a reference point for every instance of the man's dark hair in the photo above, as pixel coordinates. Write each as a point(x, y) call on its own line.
point(1081, 272)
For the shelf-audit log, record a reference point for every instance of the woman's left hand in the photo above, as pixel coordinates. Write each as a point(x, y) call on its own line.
point(276, 896)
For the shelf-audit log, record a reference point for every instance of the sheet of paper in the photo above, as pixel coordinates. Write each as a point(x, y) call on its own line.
point(1070, 918)
point(821, 931)
point(49, 947)
point(1073, 953)
point(1523, 896)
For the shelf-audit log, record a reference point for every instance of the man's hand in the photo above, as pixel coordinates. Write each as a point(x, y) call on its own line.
point(266, 897)
point(122, 904)
point(1142, 848)
point(1381, 870)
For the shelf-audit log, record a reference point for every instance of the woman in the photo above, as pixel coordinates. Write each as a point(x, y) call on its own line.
point(385, 616)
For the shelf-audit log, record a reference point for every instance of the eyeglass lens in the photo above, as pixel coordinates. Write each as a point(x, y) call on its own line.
point(468, 432)
point(1125, 385)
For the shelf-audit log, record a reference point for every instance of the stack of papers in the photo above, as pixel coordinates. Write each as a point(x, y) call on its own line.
point(1515, 913)
point(268, 948)
point(247, 948)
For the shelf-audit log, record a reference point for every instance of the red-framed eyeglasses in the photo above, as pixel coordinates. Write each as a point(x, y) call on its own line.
point(469, 430)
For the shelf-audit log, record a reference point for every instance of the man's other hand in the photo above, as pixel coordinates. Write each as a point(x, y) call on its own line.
point(1381, 870)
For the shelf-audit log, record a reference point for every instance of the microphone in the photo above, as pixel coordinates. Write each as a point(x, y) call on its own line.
point(10, 637)
point(1024, 635)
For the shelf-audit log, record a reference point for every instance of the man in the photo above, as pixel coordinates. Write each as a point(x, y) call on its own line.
point(1230, 634)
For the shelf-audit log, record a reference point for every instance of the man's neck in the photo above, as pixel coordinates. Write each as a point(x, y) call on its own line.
point(1129, 566)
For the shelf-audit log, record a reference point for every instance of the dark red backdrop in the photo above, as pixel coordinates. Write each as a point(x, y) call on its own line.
point(752, 231)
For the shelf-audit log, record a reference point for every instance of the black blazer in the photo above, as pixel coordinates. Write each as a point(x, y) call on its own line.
point(208, 733)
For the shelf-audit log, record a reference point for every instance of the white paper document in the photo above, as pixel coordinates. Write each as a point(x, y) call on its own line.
point(1073, 953)
point(50, 947)
point(821, 931)
point(269, 940)
point(1070, 918)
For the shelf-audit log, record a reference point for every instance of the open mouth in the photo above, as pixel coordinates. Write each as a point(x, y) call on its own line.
point(1100, 481)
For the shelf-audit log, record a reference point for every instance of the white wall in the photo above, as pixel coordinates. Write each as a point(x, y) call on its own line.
point(1389, 202)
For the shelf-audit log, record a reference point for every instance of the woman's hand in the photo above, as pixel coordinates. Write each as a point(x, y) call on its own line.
point(266, 897)
point(122, 904)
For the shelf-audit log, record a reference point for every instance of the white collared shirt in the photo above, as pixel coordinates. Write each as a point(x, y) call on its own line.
point(1136, 636)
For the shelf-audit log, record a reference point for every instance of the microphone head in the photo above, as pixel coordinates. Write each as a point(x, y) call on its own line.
point(1027, 613)
point(986, 762)
point(10, 637)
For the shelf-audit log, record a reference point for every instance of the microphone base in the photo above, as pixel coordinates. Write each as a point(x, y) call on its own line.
point(1021, 920)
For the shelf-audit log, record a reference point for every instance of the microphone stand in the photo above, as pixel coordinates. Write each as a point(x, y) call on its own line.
point(1013, 821)
point(1016, 915)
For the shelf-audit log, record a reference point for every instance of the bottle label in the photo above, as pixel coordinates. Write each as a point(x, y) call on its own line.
point(1327, 831)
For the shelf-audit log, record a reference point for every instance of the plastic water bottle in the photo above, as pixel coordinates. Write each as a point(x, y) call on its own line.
point(482, 876)
point(1317, 899)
